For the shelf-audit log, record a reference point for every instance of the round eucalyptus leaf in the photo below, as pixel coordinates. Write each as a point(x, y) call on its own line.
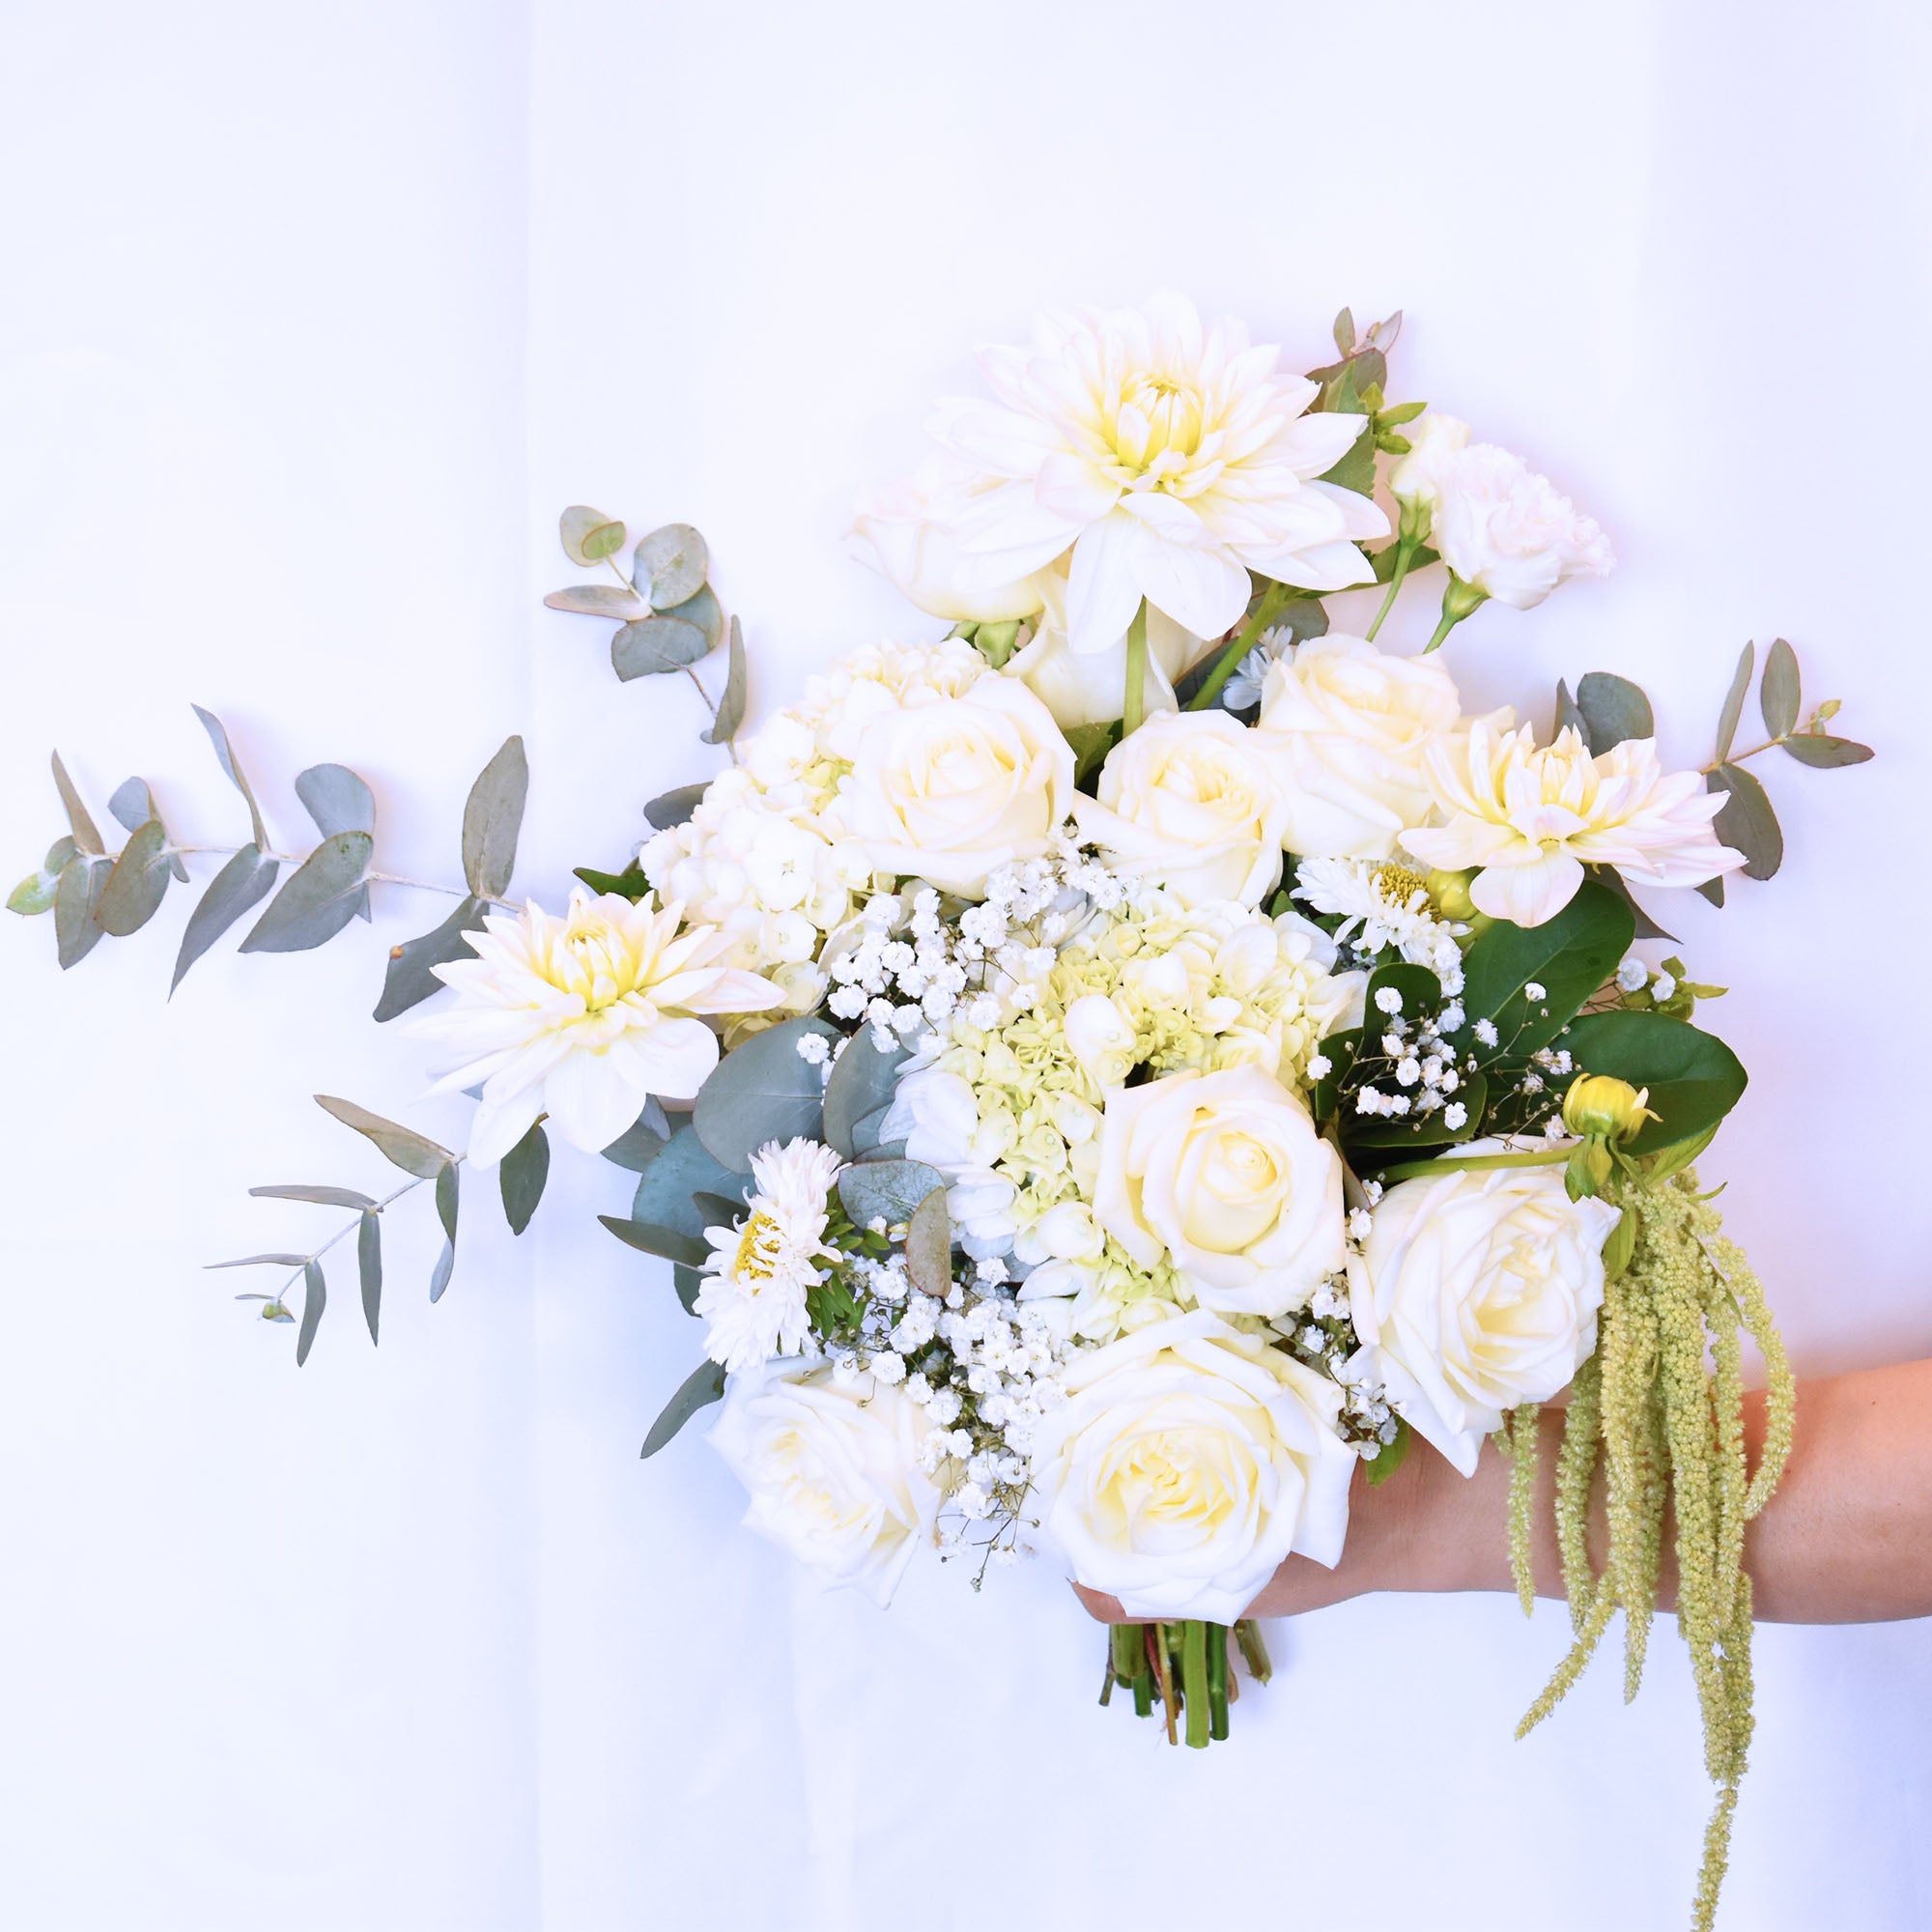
point(589, 535)
point(761, 1092)
point(669, 566)
point(656, 644)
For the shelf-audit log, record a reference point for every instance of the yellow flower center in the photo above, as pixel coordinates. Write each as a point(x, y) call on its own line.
point(1158, 426)
point(757, 1249)
point(1397, 885)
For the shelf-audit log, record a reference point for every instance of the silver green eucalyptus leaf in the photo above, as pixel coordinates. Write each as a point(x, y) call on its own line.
point(1613, 710)
point(1734, 701)
point(761, 1092)
point(409, 980)
point(674, 808)
point(589, 535)
point(336, 799)
point(413, 1153)
point(59, 853)
point(319, 1196)
point(492, 818)
point(86, 836)
point(315, 1298)
point(262, 1260)
point(666, 1243)
point(928, 1247)
point(1778, 692)
point(137, 884)
point(76, 893)
point(218, 736)
point(242, 883)
point(704, 1386)
point(861, 1083)
point(133, 805)
point(888, 1190)
point(687, 1282)
point(449, 1183)
point(641, 1142)
point(656, 644)
point(276, 1312)
point(670, 1183)
point(1568, 716)
point(35, 894)
point(438, 1276)
point(318, 898)
point(598, 600)
point(1748, 824)
point(521, 1175)
point(1825, 754)
point(369, 1267)
point(669, 566)
point(703, 611)
point(730, 706)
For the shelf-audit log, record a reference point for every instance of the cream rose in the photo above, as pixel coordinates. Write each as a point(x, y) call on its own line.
point(1186, 1462)
point(833, 1472)
point(951, 788)
point(1343, 727)
point(1477, 1292)
point(1224, 1174)
point(1190, 802)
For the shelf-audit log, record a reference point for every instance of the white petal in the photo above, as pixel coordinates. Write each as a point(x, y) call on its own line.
point(591, 1099)
point(1527, 895)
point(1101, 592)
point(1202, 590)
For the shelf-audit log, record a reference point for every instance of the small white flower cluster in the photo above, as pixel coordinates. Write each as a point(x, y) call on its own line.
point(1322, 1336)
point(904, 966)
point(1634, 976)
point(1385, 907)
point(1417, 1064)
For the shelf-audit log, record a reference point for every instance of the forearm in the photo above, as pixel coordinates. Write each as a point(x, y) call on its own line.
point(1847, 1537)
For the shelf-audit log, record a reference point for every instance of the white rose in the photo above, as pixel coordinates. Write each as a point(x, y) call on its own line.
point(1345, 727)
point(899, 534)
point(951, 788)
point(1225, 1174)
point(1190, 802)
point(1089, 687)
point(1495, 522)
point(1477, 1292)
point(834, 1472)
point(1186, 1462)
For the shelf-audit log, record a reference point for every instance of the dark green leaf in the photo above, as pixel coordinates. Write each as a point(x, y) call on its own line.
point(1090, 744)
point(717, 1210)
point(521, 1175)
point(369, 1266)
point(1384, 560)
point(1570, 956)
point(407, 980)
point(1391, 1456)
point(761, 1092)
point(1370, 1142)
point(317, 900)
point(320, 1197)
point(492, 818)
point(1613, 710)
point(598, 600)
point(669, 566)
point(245, 882)
point(705, 1384)
point(336, 799)
point(888, 1190)
point(629, 884)
point(674, 808)
point(1823, 753)
point(589, 535)
point(314, 1300)
point(76, 895)
point(640, 1144)
point(85, 833)
point(1693, 1077)
point(1568, 716)
point(655, 644)
point(1339, 1050)
point(448, 1187)
point(730, 706)
point(1734, 701)
point(1646, 926)
point(218, 736)
point(668, 1186)
point(1712, 889)
point(861, 1083)
point(686, 1280)
point(1778, 693)
point(134, 887)
point(413, 1153)
point(703, 611)
point(1748, 824)
point(262, 1260)
point(692, 1250)
point(928, 1245)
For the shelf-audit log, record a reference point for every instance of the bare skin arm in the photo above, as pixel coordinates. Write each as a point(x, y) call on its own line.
point(1847, 1537)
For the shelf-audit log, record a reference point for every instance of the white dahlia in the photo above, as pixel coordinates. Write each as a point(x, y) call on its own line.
point(755, 1281)
point(1169, 459)
point(585, 1017)
point(1533, 817)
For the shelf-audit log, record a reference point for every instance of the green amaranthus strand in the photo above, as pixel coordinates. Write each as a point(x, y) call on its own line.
point(1669, 1434)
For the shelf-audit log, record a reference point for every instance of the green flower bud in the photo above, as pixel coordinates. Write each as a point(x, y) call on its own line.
point(1603, 1107)
point(1450, 891)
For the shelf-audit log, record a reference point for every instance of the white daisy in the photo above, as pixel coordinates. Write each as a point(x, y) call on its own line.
point(759, 1270)
point(1382, 905)
point(585, 1017)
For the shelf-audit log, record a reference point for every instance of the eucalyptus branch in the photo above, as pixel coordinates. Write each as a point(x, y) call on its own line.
point(343, 1233)
point(369, 878)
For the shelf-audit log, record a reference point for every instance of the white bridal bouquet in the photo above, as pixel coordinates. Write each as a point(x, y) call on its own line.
point(1105, 1076)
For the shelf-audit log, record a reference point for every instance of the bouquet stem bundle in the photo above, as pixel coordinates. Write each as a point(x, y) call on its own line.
point(1184, 1668)
point(1660, 1406)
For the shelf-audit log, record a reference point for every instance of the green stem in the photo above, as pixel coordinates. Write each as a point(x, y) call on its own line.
point(1217, 1681)
point(1265, 613)
point(1133, 704)
point(1461, 600)
point(1476, 1163)
point(1254, 1650)
point(1194, 1680)
point(1404, 549)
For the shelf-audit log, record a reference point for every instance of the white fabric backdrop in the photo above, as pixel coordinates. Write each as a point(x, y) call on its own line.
point(316, 315)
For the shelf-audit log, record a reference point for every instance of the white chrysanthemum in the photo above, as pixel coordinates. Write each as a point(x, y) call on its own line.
point(1533, 817)
point(585, 1017)
point(1169, 458)
point(1382, 905)
point(755, 1281)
